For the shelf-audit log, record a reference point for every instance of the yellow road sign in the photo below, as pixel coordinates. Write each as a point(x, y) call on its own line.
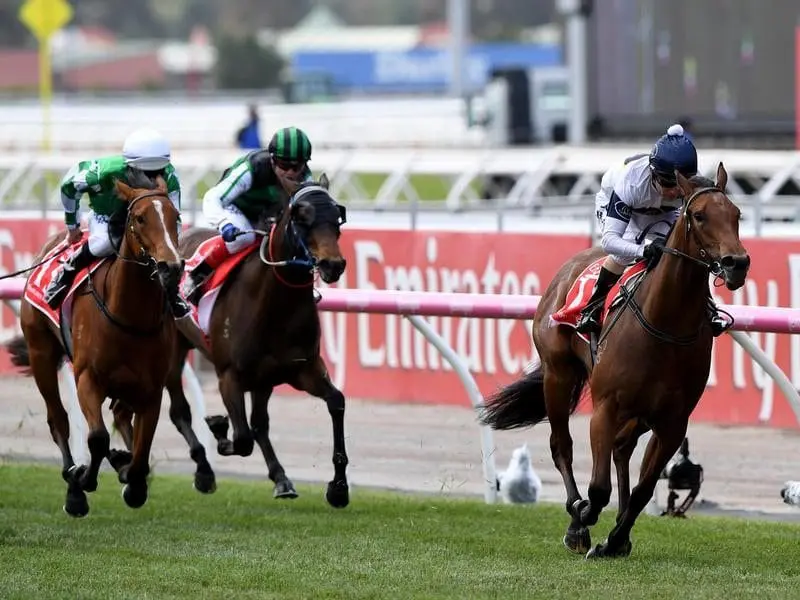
point(44, 17)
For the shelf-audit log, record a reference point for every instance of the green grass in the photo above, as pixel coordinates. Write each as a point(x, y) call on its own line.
point(240, 543)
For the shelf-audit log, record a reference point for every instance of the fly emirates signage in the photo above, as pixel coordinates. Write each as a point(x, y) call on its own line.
point(382, 357)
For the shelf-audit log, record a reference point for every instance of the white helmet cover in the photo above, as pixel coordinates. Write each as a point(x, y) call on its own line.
point(146, 149)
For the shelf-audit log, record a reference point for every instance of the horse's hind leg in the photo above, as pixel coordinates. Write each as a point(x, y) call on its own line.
point(662, 446)
point(624, 445)
point(314, 380)
point(123, 423)
point(45, 355)
point(559, 385)
point(259, 423)
point(134, 474)
point(181, 416)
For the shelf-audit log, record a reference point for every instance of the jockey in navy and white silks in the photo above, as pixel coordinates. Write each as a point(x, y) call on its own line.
point(636, 206)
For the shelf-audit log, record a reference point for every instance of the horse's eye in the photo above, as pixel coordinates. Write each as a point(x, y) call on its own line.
point(140, 219)
point(699, 216)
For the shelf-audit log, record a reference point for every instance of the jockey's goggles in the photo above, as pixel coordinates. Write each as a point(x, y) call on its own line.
point(288, 165)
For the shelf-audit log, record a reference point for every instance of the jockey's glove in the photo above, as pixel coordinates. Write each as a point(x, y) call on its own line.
point(653, 251)
point(229, 232)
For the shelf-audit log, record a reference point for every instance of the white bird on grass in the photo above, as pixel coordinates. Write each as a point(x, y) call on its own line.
point(791, 492)
point(519, 483)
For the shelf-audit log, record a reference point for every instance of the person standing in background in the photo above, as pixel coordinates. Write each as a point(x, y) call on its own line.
point(247, 138)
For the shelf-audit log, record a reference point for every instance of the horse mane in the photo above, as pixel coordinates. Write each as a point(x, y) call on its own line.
point(701, 181)
point(142, 179)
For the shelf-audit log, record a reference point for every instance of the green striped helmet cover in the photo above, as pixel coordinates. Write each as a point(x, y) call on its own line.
point(290, 144)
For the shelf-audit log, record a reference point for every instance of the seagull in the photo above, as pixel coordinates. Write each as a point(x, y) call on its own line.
point(791, 492)
point(519, 483)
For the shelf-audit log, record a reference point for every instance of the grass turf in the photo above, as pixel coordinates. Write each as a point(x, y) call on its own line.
point(240, 543)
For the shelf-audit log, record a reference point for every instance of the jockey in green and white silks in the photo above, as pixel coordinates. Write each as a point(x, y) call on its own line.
point(145, 150)
point(255, 183)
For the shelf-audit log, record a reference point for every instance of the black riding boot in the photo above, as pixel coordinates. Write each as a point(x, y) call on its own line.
point(719, 325)
point(58, 288)
point(590, 316)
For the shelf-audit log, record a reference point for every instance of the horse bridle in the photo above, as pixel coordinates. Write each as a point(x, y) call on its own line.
point(714, 267)
point(306, 259)
point(150, 262)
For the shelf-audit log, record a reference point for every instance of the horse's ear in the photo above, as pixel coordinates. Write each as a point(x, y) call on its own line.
point(324, 181)
point(684, 184)
point(124, 191)
point(162, 185)
point(722, 177)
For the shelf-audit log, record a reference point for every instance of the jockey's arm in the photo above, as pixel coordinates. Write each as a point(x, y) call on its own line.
point(618, 217)
point(230, 187)
point(74, 184)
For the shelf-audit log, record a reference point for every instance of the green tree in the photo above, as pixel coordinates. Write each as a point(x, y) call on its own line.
point(243, 64)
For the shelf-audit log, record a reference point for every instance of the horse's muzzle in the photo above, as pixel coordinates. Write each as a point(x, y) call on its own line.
point(169, 274)
point(734, 269)
point(331, 269)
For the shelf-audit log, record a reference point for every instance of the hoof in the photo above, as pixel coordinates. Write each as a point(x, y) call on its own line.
point(338, 494)
point(578, 541)
point(76, 505)
point(605, 551)
point(205, 483)
point(134, 496)
point(284, 490)
point(119, 459)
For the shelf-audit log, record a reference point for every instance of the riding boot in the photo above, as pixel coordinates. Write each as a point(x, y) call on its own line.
point(589, 320)
point(719, 325)
point(200, 274)
point(59, 287)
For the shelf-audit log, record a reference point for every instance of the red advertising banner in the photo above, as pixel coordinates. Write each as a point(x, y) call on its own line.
point(797, 87)
point(383, 357)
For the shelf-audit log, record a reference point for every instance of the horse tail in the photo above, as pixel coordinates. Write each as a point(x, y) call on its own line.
point(18, 349)
point(521, 404)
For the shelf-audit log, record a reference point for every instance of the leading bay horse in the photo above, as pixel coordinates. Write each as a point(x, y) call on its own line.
point(653, 361)
point(265, 331)
point(122, 336)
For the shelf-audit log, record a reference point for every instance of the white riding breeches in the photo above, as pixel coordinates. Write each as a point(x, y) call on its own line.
point(236, 218)
point(99, 242)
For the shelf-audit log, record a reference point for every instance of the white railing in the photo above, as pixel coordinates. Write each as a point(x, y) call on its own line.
point(415, 305)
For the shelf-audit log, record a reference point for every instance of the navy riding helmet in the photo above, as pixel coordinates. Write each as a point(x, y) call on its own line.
point(673, 151)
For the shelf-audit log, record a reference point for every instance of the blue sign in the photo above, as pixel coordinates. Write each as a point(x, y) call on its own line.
point(422, 69)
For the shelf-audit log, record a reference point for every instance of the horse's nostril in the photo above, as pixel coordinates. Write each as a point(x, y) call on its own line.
point(727, 262)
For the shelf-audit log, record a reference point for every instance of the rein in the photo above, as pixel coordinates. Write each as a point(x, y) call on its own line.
point(712, 267)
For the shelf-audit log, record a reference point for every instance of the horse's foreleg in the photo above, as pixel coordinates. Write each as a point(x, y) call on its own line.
point(91, 398)
point(134, 475)
point(45, 356)
point(602, 432)
point(181, 416)
point(233, 397)
point(316, 382)
point(558, 389)
point(259, 423)
point(662, 446)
